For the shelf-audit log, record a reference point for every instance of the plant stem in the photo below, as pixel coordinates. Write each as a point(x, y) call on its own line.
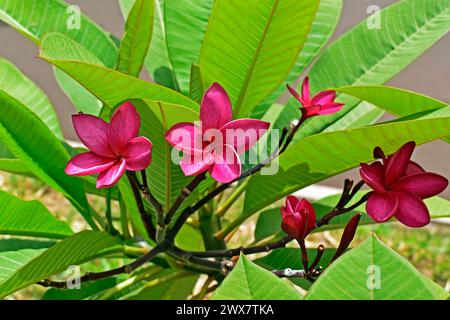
point(145, 217)
point(108, 214)
point(185, 192)
point(128, 268)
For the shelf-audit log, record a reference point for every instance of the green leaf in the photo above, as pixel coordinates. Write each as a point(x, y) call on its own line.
point(11, 261)
point(88, 289)
point(35, 19)
point(399, 102)
point(29, 218)
point(165, 177)
point(291, 258)
point(185, 19)
point(157, 61)
point(268, 224)
point(110, 86)
point(323, 155)
point(196, 84)
point(250, 46)
point(355, 274)
point(177, 289)
point(375, 55)
point(136, 41)
point(31, 141)
point(322, 29)
point(248, 281)
point(75, 250)
point(15, 244)
point(18, 86)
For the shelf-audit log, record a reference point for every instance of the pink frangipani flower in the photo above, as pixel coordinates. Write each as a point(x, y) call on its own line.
point(321, 103)
point(399, 185)
point(297, 217)
point(216, 143)
point(115, 147)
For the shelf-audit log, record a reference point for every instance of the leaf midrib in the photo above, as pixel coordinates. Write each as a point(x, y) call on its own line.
point(249, 75)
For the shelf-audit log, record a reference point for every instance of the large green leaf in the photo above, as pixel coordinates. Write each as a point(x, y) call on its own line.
point(250, 46)
point(138, 34)
point(291, 258)
point(11, 261)
point(31, 141)
point(399, 102)
point(15, 244)
point(18, 86)
point(185, 19)
point(322, 29)
point(157, 61)
point(29, 218)
point(374, 55)
point(34, 19)
point(249, 281)
point(373, 271)
point(176, 289)
point(110, 86)
point(75, 250)
point(323, 155)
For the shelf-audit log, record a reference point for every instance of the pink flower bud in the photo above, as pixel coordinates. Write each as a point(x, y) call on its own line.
point(298, 217)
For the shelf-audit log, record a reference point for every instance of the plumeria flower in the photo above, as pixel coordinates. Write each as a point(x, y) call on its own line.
point(321, 103)
point(297, 218)
point(115, 147)
point(399, 185)
point(215, 145)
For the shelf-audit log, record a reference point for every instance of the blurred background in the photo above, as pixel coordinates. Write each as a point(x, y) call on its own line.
point(427, 248)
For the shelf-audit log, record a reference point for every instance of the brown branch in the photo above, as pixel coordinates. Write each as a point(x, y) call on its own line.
point(92, 276)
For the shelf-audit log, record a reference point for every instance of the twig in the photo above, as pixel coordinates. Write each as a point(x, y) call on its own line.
point(145, 217)
point(128, 268)
point(185, 192)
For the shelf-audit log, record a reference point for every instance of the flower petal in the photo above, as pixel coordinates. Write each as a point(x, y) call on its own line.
point(291, 203)
point(414, 167)
point(292, 225)
point(138, 153)
point(411, 211)
point(397, 163)
point(295, 94)
point(93, 132)
point(306, 91)
point(381, 206)
point(310, 214)
point(242, 134)
point(330, 108)
point(88, 163)
point(111, 176)
point(424, 185)
point(215, 110)
point(123, 127)
point(227, 165)
point(194, 164)
point(324, 97)
point(373, 175)
point(185, 137)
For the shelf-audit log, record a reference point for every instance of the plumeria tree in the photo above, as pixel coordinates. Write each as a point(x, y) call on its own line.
point(182, 161)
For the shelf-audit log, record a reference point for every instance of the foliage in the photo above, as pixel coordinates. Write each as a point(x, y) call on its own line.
point(252, 49)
